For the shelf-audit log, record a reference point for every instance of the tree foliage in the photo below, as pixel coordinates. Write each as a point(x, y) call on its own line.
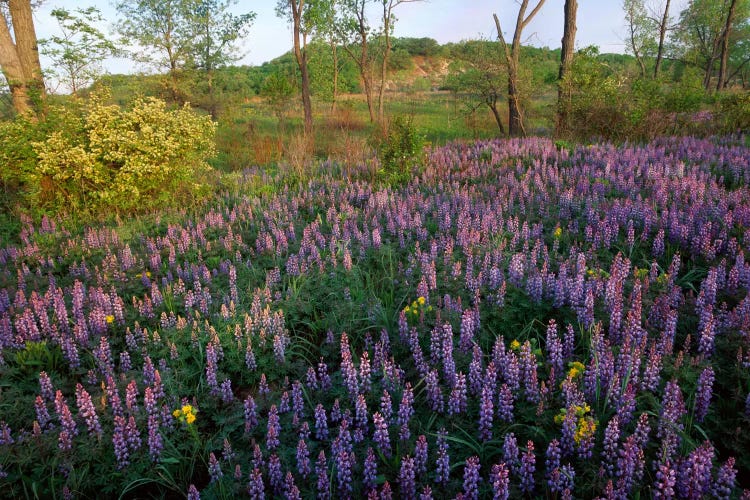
point(78, 51)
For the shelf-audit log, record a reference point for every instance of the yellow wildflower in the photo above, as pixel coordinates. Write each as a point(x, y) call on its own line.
point(558, 232)
point(515, 345)
point(177, 413)
point(110, 319)
point(189, 418)
point(421, 301)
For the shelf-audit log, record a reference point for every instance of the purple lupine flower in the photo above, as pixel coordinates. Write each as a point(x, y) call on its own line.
point(703, 393)
point(486, 412)
point(311, 379)
point(214, 468)
point(263, 388)
point(629, 466)
point(458, 400)
point(554, 350)
point(407, 478)
point(42, 415)
point(304, 431)
point(336, 411)
point(370, 473)
point(303, 458)
point(131, 397)
point(420, 455)
point(552, 463)
point(476, 380)
point(471, 478)
point(610, 446)
point(725, 480)
point(694, 477)
point(325, 379)
point(87, 411)
point(119, 440)
point(569, 426)
point(344, 474)
point(500, 479)
point(381, 438)
point(255, 487)
point(386, 406)
point(386, 493)
point(227, 453)
point(528, 367)
point(405, 412)
point(275, 474)
point(133, 435)
point(226, 391)
point(426, 493)
point(192, 493)
point(505, 404)
point(251, 414)
point(360, 413)
point(321, 423)
point(434, 396)
point(365, 371)
point(284, 403)
point(706, 339)
point(468, 330)
point(6, 436)
point(446, 354)
point(442, 462)
point(665, 482)
point(291, 491)
point(66, 418)
point(321, 470)
point(528, 467)
point(298, 403)
point(273, 429)
point(672, 410)
point(511, 453)
point(155, 442)
point(258, 461)
point(45, 386)
point(125, 363)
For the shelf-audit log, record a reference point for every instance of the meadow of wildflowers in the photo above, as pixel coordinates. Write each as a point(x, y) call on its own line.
point(515, 320)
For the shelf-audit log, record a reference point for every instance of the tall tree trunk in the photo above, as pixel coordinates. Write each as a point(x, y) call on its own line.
point(662, 35)
point(512, 57)
point(387, 6)
point(300, 55)
point(335, 56)
point(722, 83)
point(20, 60)
point(492, 104)
point(566, 59)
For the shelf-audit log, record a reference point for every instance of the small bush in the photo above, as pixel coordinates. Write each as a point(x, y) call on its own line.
point(96, 157)
point(735, 111)
point(400, 151)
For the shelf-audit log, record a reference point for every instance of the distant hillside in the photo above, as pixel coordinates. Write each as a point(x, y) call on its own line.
point(416, 64)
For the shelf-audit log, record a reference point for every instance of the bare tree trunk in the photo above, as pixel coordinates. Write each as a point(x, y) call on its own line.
point(492, 104)
point(662, 35)
point(387, 7)
point(722, 82)
point(566, 59)
point(633, 43)
point(20, 60)
point(515, 112)
point(300, 55)
point(335, 56)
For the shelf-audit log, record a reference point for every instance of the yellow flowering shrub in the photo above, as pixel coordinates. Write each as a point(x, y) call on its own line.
point(123, 159)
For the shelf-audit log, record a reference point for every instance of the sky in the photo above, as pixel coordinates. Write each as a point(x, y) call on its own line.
point(600, 22)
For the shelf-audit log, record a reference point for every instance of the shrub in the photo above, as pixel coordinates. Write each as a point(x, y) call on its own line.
point(400, 150)
point(735, 111)
point(98, 157)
